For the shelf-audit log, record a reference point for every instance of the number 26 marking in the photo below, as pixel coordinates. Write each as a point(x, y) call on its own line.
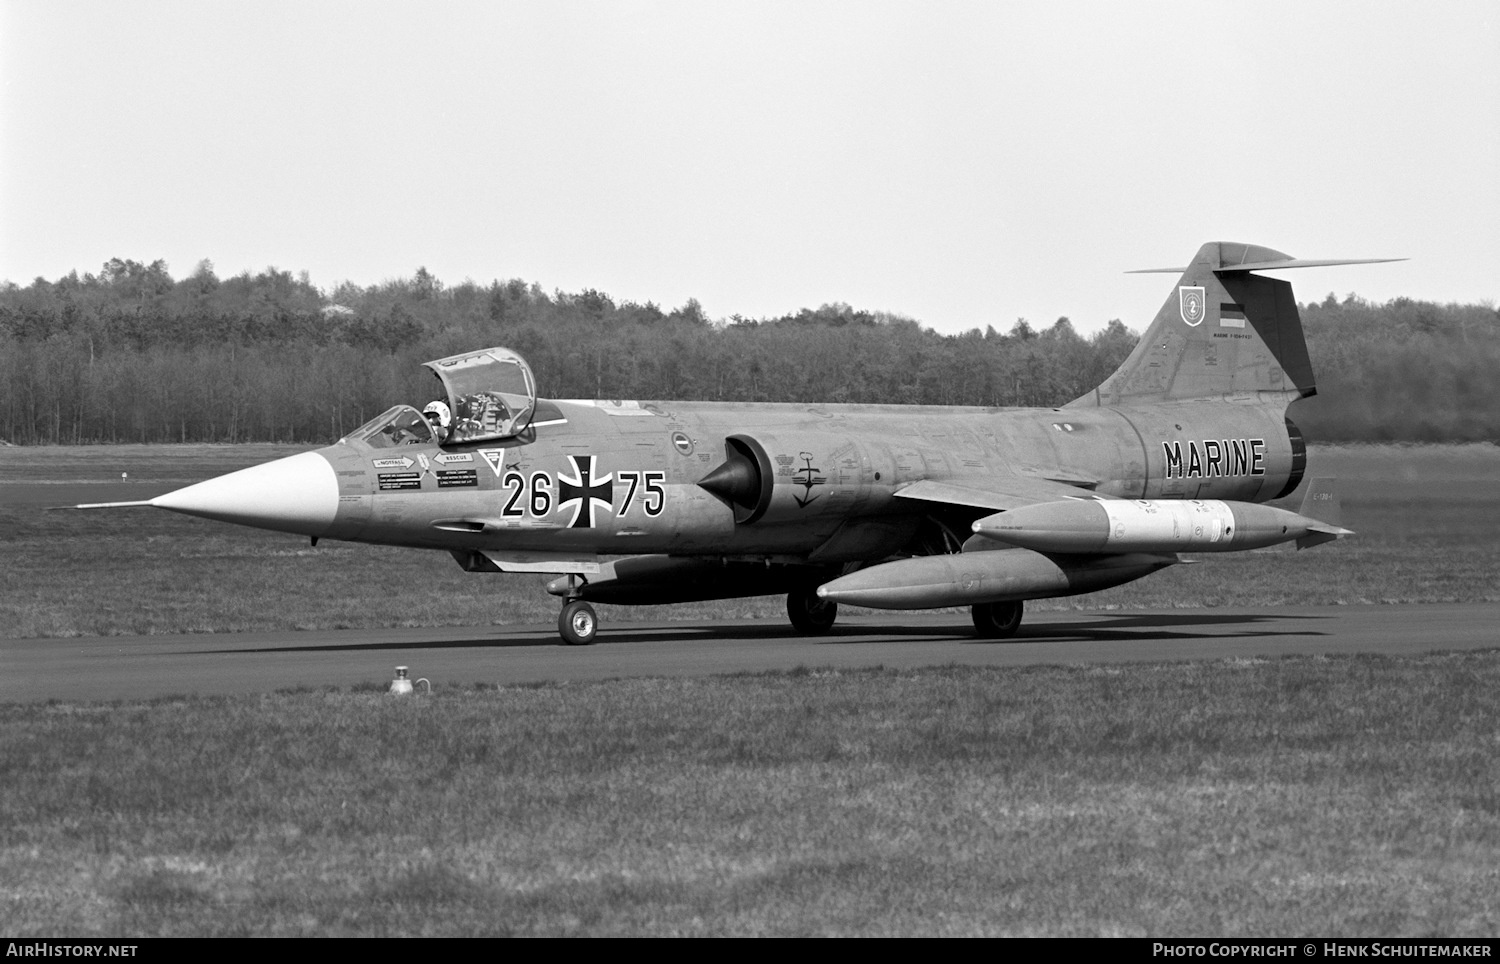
point(541, 494)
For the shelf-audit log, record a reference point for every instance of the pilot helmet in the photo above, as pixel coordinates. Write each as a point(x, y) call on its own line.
point(440, 409)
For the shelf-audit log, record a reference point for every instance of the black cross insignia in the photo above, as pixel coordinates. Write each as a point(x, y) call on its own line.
point(584, 491)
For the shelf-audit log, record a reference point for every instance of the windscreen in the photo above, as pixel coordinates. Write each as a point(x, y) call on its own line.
point(401, 425)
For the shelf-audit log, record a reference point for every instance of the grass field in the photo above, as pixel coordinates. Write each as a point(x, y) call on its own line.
point(1336, 797)
point(1427, 518)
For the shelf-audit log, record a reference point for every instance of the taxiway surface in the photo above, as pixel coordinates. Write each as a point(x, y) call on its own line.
point(136, 667)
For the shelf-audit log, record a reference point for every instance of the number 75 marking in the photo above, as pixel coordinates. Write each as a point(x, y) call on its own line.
point(655, 499)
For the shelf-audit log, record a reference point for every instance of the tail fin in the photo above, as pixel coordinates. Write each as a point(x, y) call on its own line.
point(1222, 332)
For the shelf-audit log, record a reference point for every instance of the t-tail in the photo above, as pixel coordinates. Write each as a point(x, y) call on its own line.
point(1223, 332)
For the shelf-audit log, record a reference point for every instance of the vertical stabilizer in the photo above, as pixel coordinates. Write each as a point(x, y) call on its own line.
point(1222, 332)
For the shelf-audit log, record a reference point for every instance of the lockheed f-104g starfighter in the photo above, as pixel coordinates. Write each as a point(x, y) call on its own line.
point(900, 507)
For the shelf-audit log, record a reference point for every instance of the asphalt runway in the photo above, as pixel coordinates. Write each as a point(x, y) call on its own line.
point(136, 667)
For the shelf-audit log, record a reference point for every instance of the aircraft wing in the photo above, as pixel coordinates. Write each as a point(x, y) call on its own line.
point(1009, 492)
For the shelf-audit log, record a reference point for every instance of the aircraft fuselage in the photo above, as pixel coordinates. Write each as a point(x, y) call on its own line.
point(622, 479)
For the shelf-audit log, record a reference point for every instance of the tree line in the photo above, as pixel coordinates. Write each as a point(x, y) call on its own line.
point(132, 355)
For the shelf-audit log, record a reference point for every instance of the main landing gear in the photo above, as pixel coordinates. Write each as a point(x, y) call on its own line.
point(997, 620)
point(577, 623)
point(810, 615)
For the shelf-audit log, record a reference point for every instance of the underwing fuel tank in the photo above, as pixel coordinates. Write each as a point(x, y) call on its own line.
point(1118, 525)
point(987, 576)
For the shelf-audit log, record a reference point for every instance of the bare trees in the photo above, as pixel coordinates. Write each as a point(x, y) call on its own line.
point(131, 355)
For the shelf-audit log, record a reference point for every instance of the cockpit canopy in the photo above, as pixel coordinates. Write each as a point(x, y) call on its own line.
point(491, 394)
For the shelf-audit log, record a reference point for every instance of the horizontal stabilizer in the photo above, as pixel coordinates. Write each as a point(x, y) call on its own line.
point(1302, 263)
point(1272, 265)
point(1233, 257)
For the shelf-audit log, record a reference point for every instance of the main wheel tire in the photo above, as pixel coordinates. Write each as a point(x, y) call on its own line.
point(997, 620)
point(577, 623)
point(809, 614)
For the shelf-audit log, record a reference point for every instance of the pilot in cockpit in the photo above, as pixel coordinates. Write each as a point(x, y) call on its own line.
point(439, 417)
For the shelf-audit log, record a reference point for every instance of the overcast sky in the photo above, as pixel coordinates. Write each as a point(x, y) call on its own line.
point(964, 164)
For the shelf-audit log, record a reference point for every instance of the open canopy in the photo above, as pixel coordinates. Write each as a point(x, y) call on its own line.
point(491, 393)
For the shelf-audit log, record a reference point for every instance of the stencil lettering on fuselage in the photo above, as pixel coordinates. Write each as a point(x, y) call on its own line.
point(400, 481)
point(457, 478)
point(1215, 458)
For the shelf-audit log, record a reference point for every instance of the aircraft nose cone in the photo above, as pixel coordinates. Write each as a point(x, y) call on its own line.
point(296, 494)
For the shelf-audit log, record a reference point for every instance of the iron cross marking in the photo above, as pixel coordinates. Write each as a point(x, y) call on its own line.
point(585, 491)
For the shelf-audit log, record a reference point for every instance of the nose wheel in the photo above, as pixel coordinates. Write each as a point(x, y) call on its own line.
point(577, 623)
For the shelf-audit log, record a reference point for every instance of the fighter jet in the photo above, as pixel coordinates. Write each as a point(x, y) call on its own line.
point(888, 506)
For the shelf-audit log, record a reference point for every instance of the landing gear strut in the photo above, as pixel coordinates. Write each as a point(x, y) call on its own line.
point(577, 623)
point(809, 614)
point(997, 620)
